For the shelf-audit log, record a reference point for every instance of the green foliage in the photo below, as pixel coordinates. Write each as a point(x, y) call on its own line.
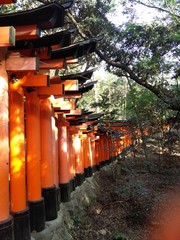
point(106, 97)
point(76, 218)
point(145, 52)
point(19, 6)
point(151, 111)
point(168, 7)
point(149, 49)
point(120, 236)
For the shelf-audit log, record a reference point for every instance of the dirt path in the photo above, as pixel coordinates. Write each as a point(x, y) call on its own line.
point(139, 202)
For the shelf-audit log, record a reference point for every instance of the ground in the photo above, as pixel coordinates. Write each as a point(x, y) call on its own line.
point(137, 200)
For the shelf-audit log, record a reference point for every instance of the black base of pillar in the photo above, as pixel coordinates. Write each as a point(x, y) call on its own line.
point(90, 171)
point(80, 177)
point(97, 167)
point(6, 229)
point(58, 198)
point(75, 182)
point(22, 225)
point(106, 162)
point(86, 172)
point(37, 215)
point(50, 200)
point(72, 184)
point(101, 164)
point(94, 169)
point(110, 160)
point(65, 189)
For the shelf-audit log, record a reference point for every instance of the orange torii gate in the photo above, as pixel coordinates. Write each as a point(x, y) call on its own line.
point(19, 79)
point(121, 135)
point(33, 137)
point(48, 146)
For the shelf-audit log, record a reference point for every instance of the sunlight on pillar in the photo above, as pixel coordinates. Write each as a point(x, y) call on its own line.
point(64, 147)
point(4, 147)
point(4, 142)
point(77, 143)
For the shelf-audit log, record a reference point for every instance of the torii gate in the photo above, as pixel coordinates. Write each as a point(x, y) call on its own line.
point(23, 73)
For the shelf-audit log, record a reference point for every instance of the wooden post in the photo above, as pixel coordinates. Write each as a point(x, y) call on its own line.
point(110, 148)
point(48, 188)
point(102, 151)
point(71, 161)
point(90, 155)
point(33, 147)
point(55, 152)
point(17, 164)
point(93, 152)
point(107, 158)
point(82, 137)
point(74, 152)
point(97, 152)
point(86, 150)
point(6, 223)
point(55, 161)
point(79, 166)
point(64, 163)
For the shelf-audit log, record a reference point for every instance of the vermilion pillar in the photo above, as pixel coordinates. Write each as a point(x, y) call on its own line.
point(55, 160)
point(86, 152)
point(90, 156)
point(110, 150)
point(107, 158)
point(79, 167)
point(48, 187)
point(33, 147)
point(82, 152)
point(55, 152)
point(97, 153)
point(71, 159)
point(17, 164)
point(92, 151)
point(101, 143)
point(64, 163)
point(6, 223)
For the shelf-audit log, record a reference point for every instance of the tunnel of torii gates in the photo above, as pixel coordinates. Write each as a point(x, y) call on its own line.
point(47, 145)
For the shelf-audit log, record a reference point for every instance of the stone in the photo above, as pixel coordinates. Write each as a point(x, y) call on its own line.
point(103, 232)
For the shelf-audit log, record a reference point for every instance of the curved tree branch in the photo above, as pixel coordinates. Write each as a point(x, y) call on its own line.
point(130, 72)
point(163, 95)
point(158, 8)
point(71, 17)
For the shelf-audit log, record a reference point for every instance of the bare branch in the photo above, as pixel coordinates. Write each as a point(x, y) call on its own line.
point(80, 31)
point(158, 8)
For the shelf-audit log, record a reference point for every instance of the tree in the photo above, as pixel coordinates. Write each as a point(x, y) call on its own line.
point(166, 6)
point(145, 53)
point(107, 96)
point(144, 108)
point(146, 111)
